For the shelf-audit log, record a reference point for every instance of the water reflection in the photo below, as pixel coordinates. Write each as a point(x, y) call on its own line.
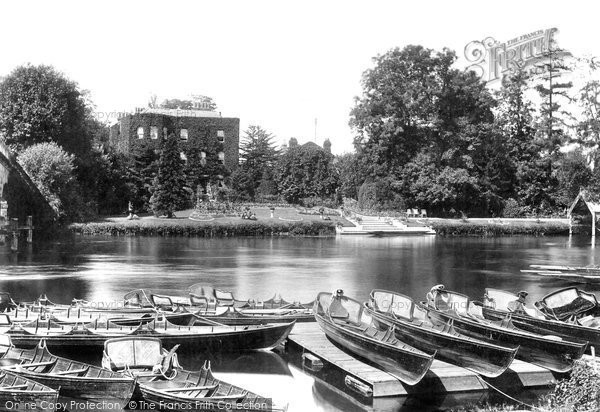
point(105, 268)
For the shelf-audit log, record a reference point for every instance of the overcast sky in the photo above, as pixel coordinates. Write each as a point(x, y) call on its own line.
point(278, 64)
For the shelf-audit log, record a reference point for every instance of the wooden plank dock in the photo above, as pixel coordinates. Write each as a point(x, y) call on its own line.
point(441, 378)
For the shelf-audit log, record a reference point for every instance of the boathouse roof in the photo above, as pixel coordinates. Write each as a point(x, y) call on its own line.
point(584, 196)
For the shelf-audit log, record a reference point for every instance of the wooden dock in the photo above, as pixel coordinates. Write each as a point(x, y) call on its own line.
point(441, 378)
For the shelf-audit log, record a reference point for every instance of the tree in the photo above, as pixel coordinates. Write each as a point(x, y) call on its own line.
point(351, 175)
point(206, 103)
point(168, 188)
point(572, 174)
point(117, 183)
point(39, 104)
point(418, 124)
point(257, 158)
point(53, 171)
point(554, 92)
point(306, 171)
point(588, 99)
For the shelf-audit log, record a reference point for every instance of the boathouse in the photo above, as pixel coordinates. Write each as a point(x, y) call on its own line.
point(583, 213)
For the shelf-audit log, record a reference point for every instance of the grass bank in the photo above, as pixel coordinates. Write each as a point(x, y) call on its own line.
point(285, 222)
point(504, 227)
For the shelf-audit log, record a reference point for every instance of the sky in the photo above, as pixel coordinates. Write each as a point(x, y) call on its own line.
point(277, 64)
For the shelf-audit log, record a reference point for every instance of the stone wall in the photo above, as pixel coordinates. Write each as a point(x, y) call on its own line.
point(23, 197)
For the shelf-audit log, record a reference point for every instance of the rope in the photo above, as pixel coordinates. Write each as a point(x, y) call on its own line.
point(486, 383)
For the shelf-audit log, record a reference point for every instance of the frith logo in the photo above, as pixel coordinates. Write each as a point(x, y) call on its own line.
point(491, 60)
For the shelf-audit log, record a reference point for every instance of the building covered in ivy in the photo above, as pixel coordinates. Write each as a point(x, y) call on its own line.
point(215, 137)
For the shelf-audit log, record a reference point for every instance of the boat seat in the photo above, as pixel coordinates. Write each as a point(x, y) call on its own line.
point(337, 310)
point(72, 371)
point(191, 388)
point(15, 387)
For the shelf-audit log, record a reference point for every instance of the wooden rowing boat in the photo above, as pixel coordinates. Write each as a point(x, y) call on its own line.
point(345, 322)
point(163, 383)
point(586, 328)
point(21, 394)
point(226, 298)
point(73, 379)
point(193, 338)
point(551, 352)
point(414, 326)
point(202, 310)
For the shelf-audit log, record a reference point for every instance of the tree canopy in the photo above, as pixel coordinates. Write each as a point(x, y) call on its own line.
point(38, 104)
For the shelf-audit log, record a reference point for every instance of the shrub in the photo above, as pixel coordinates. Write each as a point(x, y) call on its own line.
point(367, 196)
point(580, 392)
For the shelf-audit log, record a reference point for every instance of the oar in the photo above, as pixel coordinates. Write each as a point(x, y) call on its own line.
point(29, 365)
point(209, 321)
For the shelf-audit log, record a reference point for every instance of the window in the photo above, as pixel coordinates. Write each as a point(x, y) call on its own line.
point(183, 134)
point(220, 136)
point(153, 132)
point(203, 158)
point(221, 157)
point(183, 157)
point(140, 132)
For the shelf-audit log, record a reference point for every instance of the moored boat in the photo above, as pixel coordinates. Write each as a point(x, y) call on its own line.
point(586, 328)
point(21, 394)
point(226, 298)
point(345, 322)
point(72, 378)
point(164, 384)
point(414, 326)
point(551, 352)
point(193, 338)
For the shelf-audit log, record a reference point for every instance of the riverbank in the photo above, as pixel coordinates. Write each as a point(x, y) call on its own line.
point(285, 222)
point(499, 227)
point(293, 222)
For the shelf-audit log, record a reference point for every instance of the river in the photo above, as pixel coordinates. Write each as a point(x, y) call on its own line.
point(105, 268)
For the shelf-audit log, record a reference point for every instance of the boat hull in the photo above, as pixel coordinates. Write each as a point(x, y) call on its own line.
point(548, 327)
point(486, 359)
point(235, 319)
point(213, 339)
point(97, 386)
point(36, 397)
point(407, 367)
point(557, 356)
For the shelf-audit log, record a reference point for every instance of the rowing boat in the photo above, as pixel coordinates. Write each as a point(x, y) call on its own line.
point(345, 322)
point(22, 394)
point(549, 351)
point(164, 384)
point(194, 338)
point(226, 298)
point(202, 309)
point(414, 326)
point(73, 379)
point(586, 328)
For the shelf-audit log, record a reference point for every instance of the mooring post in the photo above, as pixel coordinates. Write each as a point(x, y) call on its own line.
point(29, 229)
point(14, 225)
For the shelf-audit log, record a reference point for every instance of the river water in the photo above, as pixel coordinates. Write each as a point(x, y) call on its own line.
point(105, 268)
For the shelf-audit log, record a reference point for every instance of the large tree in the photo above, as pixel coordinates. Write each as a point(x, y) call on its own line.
point(168, 189)
point(258, 155)
point(38, 104)
point(306, 171)
point(418, 124)
point(53, 171)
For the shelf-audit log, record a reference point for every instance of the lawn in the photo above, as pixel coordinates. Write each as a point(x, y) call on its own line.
point(263, 215)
